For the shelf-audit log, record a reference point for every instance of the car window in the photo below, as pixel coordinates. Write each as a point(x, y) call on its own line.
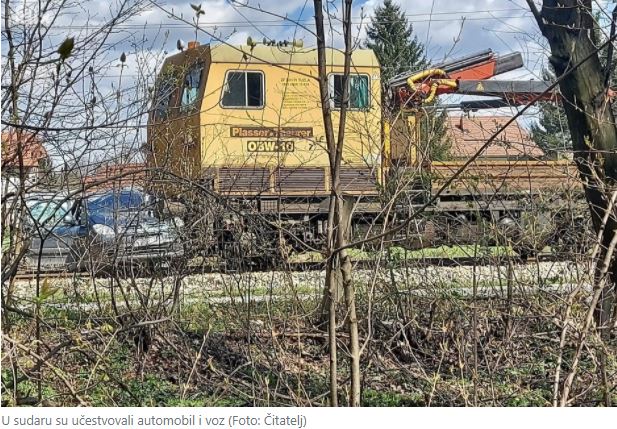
point(48, 212)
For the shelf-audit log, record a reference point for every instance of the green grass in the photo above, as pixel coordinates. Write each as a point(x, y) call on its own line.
point(375, 398)
point(461, 251)
point(523, 383)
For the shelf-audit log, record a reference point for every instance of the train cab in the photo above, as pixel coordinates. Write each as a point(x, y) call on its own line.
point(247, 120)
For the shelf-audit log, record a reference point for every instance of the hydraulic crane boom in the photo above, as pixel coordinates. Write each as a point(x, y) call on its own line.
point(468, 76)
point(481, 65)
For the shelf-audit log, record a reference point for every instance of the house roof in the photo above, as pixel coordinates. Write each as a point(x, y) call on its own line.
point(115, 176)
point(467, 136)
point(32, 149)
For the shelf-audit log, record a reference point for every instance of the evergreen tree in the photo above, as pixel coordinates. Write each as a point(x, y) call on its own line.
point(551, 132)
point(391, 37)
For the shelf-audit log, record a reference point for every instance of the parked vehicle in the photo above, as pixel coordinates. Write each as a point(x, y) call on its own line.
point(120, 229)
point(50, 234)
point(111, 229)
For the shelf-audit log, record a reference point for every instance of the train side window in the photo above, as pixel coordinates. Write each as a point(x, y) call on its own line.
point(358, 91)
point(163, 97)
point(192, 83)
point(243, 90)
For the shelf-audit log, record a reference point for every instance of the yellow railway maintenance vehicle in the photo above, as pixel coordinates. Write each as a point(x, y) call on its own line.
point(249, 118)
point(245, 123)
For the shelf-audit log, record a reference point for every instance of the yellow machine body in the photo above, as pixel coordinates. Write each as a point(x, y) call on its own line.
point(249, 119)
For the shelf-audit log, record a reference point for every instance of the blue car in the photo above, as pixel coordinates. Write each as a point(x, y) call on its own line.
point(50, 234)
point(111, 229)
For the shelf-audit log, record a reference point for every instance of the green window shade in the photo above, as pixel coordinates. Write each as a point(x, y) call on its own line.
point(358, 91)
point(358, 94)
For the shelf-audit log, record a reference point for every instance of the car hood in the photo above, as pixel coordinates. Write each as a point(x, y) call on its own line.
point(58, 236)
point(134, 223)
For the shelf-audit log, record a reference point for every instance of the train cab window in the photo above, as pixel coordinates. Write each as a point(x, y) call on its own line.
point(192, 82)
point(243, 90)
point(358, 91)
point(164, 92)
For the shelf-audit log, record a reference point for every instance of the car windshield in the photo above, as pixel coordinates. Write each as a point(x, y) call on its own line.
point(48, 212)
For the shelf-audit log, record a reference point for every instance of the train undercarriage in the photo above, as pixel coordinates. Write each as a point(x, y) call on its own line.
point(266, 232)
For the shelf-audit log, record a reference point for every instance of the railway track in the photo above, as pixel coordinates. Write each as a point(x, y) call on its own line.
point(429, 262)
point(298, 266)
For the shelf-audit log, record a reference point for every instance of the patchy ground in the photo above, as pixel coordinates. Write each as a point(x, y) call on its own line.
point(490, 279)
point(255, 339)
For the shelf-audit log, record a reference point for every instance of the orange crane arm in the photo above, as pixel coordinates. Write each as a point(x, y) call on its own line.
point(443, 78)
point(471, 75)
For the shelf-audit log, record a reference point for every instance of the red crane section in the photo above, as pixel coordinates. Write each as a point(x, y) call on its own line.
point(469, 76)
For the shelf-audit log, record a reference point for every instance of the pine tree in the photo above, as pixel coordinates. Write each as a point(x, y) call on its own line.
point(391, 37)
point(551, 132)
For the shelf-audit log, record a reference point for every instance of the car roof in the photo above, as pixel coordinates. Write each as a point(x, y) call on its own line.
point(101, 193)
point(47, 196)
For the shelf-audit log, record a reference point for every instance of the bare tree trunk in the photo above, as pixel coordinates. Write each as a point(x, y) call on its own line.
point(344, 214)
point(568, 26)
point(339, 267)
point(331, 290)
point(344, 225)
point(331, 283)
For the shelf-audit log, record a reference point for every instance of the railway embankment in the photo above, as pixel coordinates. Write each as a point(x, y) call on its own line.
point(488, 281)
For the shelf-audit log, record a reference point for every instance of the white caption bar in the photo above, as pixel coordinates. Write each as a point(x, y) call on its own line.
point(302, 418)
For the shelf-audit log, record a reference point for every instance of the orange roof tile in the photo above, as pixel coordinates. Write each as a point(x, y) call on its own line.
point(467, 136)
point(112, 176)
point(32, 149)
